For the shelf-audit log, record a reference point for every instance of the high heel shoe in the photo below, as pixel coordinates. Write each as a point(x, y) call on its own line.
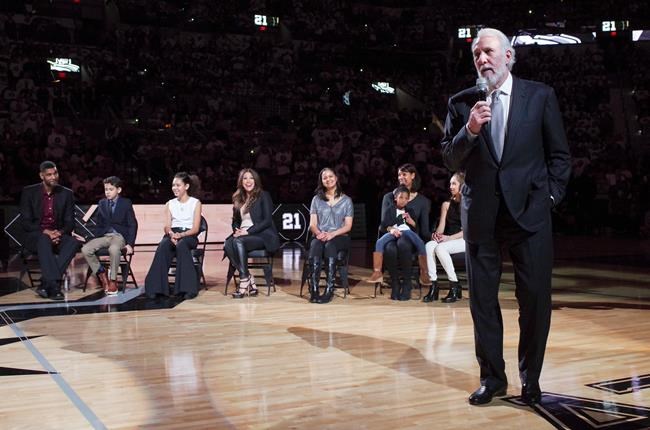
point(243, 290)
point(252, 290)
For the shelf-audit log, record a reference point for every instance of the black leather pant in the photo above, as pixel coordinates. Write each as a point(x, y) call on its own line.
point(237, 249)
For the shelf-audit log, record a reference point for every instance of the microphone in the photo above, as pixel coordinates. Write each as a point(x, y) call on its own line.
point(482, 86)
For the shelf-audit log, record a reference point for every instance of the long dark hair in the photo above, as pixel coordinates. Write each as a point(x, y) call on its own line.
point(320, 189)
point(239, 197)
point(193, 182)
point(410, 168)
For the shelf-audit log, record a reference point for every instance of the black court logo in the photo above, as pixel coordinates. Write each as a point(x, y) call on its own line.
point(579, 413)
point(291, 221)
point(623, 385)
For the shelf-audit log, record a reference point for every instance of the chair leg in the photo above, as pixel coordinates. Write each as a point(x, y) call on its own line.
point(268, 276)
point(229, 276)
point(124, 272)
point(271, 268)
point(88, 273)
point(205, 283)
point(132, 276)
point(305, 275)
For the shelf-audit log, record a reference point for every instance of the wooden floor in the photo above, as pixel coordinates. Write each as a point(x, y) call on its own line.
point(279, 362)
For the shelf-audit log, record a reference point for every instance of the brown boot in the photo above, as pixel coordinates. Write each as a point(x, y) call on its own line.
point(377, 274)
point(424, 272)
point(103, 279)
point(111, 290)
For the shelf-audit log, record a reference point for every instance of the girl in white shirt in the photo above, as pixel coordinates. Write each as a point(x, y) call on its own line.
point(182, 226)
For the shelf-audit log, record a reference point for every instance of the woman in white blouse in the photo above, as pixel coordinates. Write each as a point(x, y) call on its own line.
point(182, 224)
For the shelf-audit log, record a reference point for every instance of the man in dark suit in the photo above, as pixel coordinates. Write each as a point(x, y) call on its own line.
point(47, 217)
point(115, 230)
point(514, 152)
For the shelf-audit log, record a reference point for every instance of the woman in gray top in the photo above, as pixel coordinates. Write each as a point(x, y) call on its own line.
point(330, 222)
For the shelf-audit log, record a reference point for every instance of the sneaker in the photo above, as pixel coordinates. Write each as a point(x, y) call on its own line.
point(111, 290)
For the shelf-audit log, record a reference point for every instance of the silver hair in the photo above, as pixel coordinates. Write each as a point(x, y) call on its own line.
point(503, 40)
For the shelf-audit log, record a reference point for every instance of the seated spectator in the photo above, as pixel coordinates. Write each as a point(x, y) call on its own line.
point(182, 224)
point(253, 228)
point(115, 230)
point(399, 254)
point(398, 222)
point(447, 240)
point(331, 214)
point(47, 217)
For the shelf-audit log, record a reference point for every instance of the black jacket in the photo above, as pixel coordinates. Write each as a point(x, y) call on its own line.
point(31, 208)
point(535, 164)
point(122, 219)
point(262, 215)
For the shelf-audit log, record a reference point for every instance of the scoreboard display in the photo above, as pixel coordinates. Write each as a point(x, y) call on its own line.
point(467, 33)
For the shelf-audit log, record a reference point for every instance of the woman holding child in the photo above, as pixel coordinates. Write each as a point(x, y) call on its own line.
point(398, 253)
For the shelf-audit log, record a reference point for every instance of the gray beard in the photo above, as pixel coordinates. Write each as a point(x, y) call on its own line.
point(494, 79)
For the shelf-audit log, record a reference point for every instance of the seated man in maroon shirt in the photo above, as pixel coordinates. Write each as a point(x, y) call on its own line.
point(47, 217)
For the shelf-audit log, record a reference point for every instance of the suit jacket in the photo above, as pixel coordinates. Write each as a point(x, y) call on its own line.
point(122, 219)
point(534, 166)
point(262, 215)
point(31, 208)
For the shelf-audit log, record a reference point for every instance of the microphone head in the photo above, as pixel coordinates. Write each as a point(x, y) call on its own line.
point(482, 86)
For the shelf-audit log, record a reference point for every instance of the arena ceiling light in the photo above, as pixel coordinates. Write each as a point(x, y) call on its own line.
point(383, 87)
point(63, 65)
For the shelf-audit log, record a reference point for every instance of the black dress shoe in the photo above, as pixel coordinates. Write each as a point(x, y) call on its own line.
point(43, 293)
point(531, 394)
point(58, 295)
point(485, 394)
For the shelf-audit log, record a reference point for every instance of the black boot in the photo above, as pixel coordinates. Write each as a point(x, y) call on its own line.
point(405, 290)
point(314, 267)
point(394, 288)
point(455, 292)
point(331, 277)
point(432, 295)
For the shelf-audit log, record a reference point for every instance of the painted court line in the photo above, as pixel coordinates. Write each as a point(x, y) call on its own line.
point(58, 378)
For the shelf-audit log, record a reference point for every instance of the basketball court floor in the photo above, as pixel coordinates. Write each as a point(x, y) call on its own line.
point(280, 362)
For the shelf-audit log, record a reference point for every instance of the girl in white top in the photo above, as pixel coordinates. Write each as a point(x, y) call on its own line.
point(182, 213)
point(182, 225)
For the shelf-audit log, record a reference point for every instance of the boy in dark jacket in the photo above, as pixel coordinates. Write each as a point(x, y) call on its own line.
point(116, 229)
